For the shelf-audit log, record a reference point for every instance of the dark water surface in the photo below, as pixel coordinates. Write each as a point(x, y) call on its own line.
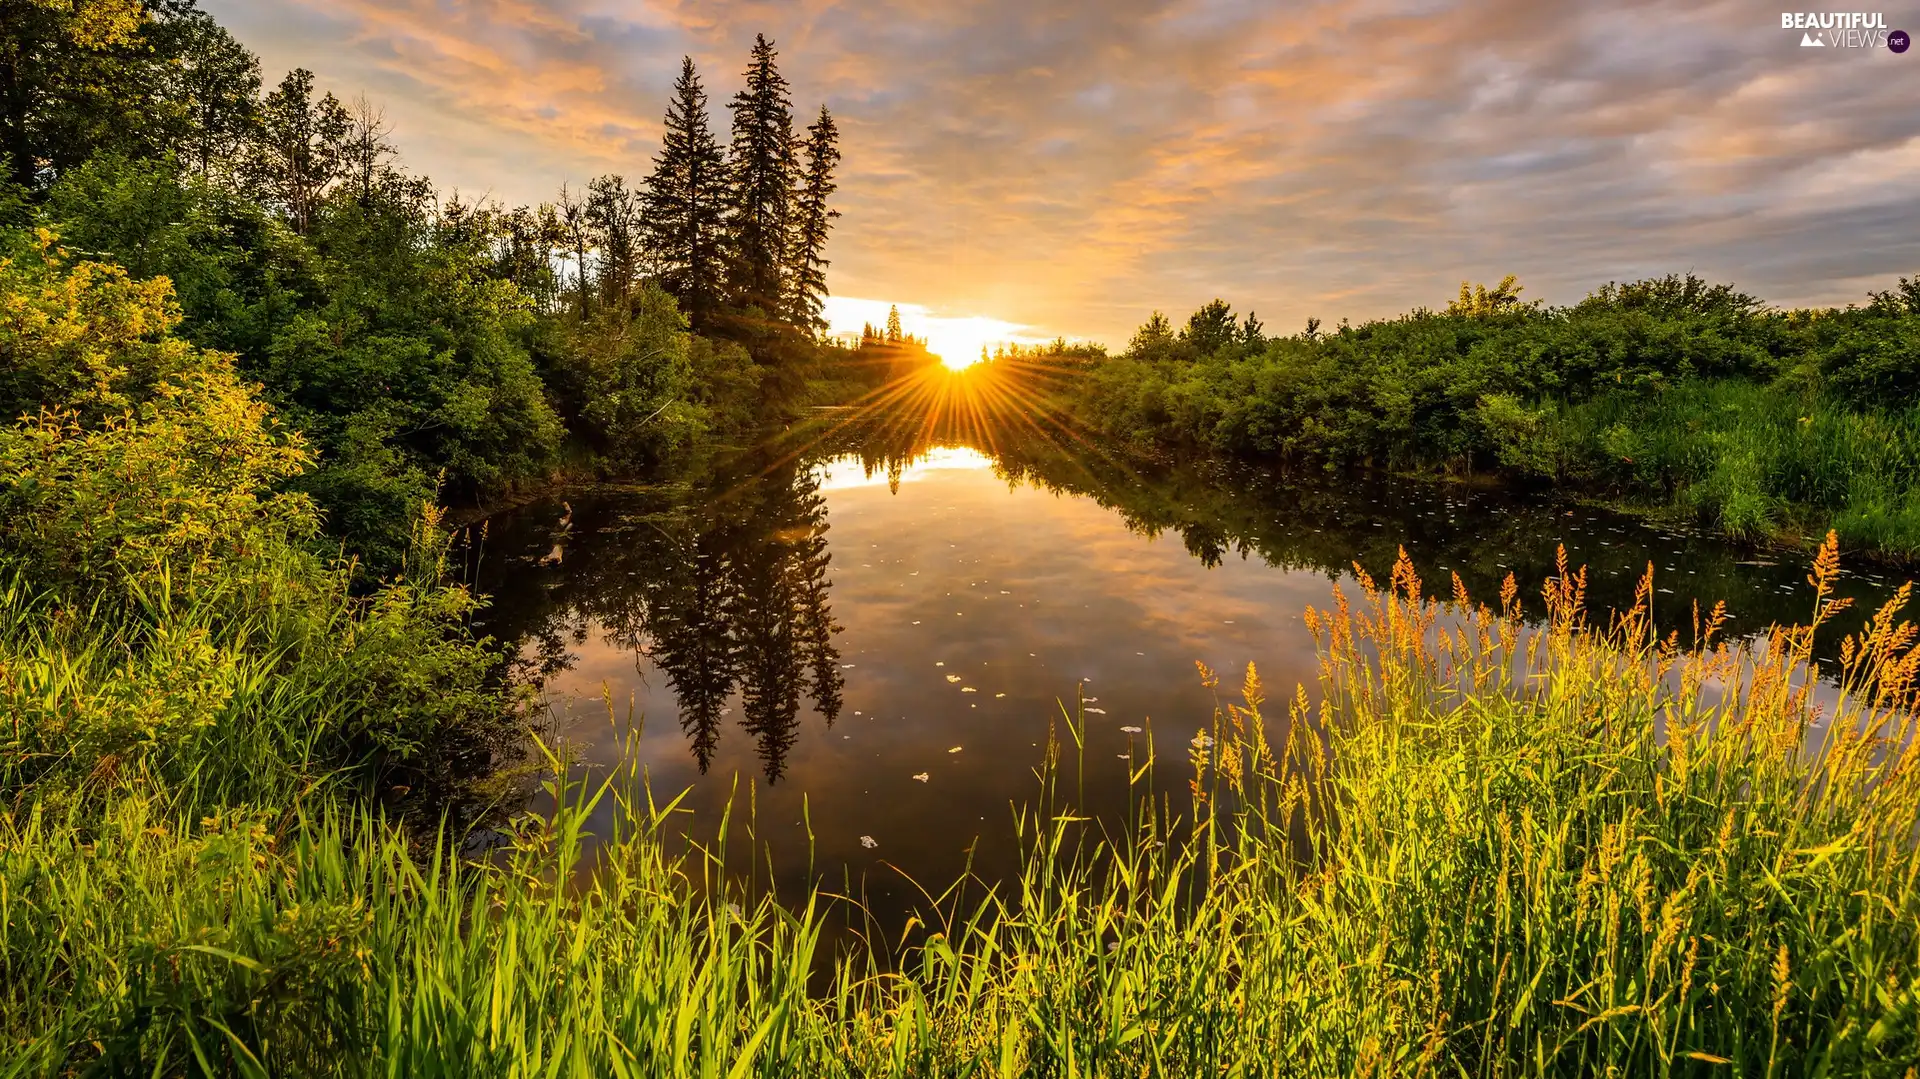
point(872, 634)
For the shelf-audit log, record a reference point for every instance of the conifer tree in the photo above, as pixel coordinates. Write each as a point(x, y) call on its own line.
point(811, 221)
point(893, 324)
point(762, 166)
point(686, 201)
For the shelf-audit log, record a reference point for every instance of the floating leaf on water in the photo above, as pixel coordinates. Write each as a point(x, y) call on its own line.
point(1131, 730)
point(1095, 711)
point(956, 749)
point(846, 666)
point(968, 689)
point(869, 842)
point(953, 678)
point(997, 696)
point(923, 776)
point(1090, 700)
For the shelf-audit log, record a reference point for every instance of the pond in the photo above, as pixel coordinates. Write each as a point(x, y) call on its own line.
point(862, 636)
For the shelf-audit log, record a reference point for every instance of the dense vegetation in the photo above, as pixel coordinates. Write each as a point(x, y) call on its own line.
point(421, 344)
point(1668, 393)
point(242, 351)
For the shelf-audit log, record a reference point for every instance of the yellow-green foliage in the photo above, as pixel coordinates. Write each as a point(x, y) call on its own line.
point(147, 457)
point(162, 617)
point(1493, 848)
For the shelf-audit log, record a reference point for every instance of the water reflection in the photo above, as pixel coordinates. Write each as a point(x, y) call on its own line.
point(722, 587)
point(986, 561)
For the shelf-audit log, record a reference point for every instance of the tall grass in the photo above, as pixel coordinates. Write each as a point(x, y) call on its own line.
point(1483, 849)
point(1756, 460)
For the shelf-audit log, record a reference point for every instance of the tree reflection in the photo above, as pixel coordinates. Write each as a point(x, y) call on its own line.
point(723, 581)
point(723, 584)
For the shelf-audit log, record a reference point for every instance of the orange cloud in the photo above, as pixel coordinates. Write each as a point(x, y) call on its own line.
point(1070, 164)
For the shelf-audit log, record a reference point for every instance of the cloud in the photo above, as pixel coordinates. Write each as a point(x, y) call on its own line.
point(1068, 165)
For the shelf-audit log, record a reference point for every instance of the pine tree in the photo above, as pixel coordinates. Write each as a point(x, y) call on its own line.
point(812, 219)
point(893, 324)
point(686, 201)
point(762, 166)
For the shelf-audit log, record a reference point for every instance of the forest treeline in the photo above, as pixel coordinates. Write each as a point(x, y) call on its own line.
point(419, 342)
point(1670, 393)
point(245, 357)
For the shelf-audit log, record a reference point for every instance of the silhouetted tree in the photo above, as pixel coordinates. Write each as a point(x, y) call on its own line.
point(300, 149)
point(214, 83)
point(365, 150)
point(686, 202)
point(1212, 328)
point(133, 78)
point(613, 216)
point(812, 220)
point(574, 225)
point(762, 164)
point(1155, 333)
point(893, 324)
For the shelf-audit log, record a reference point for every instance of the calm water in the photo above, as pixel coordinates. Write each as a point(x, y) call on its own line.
point(874, 631)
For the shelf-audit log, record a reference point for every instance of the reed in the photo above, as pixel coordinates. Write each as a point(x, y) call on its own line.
point(1484, 846)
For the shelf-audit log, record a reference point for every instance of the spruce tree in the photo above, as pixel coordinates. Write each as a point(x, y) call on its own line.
point(762, 166)
point(812, 219)
point(686, 202)
point(893, 324)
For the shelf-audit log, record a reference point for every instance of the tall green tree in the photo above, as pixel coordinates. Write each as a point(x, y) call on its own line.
point(686, 203)
point(614, 215)
point(1212, 328)
point(763, 165)
point(300, 150)
point(84, 77)
point(211, 85)
point(811, 221)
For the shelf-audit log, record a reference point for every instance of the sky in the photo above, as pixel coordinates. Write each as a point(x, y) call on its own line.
point(1029, 168)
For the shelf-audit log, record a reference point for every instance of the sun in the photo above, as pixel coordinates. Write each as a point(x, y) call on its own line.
point(957, 340)
point(960, 342)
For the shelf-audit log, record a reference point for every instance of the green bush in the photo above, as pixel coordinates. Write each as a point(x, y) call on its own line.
point(1667, 392)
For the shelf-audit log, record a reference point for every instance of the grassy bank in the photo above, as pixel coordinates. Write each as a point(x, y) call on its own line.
point(1668, 395)
point(1472, 851)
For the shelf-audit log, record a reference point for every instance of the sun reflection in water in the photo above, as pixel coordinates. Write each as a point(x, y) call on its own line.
point(850, 471)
